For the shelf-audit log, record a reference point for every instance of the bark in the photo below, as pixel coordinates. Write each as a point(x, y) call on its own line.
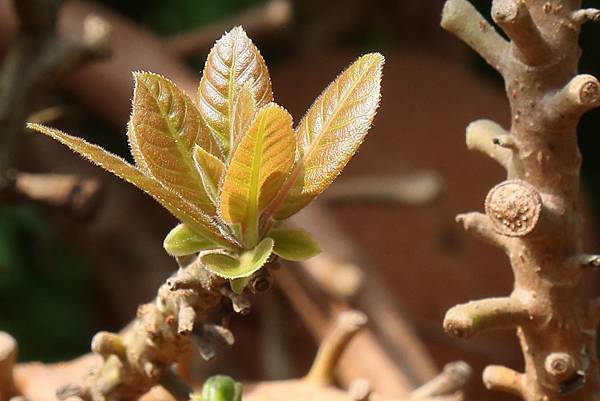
point(534, 215)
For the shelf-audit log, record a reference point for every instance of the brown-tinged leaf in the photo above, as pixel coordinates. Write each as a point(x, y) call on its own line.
point(233, 61)
point(179, 207)
point(257, 170)
point(165, 125)
point(211, 170)
point(330, 133)
point(244, 110)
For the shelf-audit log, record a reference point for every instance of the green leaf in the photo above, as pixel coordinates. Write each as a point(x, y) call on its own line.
point(244, 265)
point(220, 388)
point(165, 125)
point(330, 133)
point(182, 241)
point(179, 207)
point(257, 170)
point(233, 61)
point(211, 170)
point(293, 244)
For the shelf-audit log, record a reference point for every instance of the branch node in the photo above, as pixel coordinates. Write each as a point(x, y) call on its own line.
point(475, 317)
point(581, 94)
point(503, 379)
point(513, 208)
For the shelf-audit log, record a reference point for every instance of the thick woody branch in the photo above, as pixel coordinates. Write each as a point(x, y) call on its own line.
point(581, 94)
point(503, 379)
point(462, 19)
point(480, 226)
point(333, 345)
point(491, 139)
point(475, 317)
point(514, 18)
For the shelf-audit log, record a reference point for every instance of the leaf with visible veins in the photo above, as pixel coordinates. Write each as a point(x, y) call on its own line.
point(330, 133)
point(233, 61)
point(257, 170)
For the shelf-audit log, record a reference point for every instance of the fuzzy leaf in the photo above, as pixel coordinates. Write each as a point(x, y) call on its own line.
point(244, 265)
point(257, 170)
point(244, 110)
point(211, 170)
point(294, 245)
point(182, 241)
point(232, 61)
point(179, 207)
point(165, 126)
point(330, 133)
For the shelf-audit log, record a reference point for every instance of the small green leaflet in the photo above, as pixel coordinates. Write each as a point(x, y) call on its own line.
point(241, 266)
point(183, 241)
point(292, 244)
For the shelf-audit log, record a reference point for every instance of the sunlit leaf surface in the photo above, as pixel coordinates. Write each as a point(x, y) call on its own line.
point(331, 131)
point(257, 170)
point(233, 61)
point(165, 126)
point(179, 207)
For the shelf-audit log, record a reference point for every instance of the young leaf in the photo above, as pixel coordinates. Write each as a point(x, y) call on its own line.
point(182, 241)
point(211, 170)
point(330, 133)
point(244, 265)
point(295, 245)
point(244, 110)
point(165, 126)
point(179, 207)
point(232, 61)
point(257, 170)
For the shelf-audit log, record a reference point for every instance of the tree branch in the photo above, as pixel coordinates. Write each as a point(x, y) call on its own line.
point(491, 139)
point(514, 18)
point(463, 20)
point(503, 379)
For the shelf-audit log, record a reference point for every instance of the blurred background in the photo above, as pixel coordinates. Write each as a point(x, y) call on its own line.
point(64, 275)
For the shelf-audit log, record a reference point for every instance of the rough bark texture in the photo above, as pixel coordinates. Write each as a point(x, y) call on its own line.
point(164, 333)
point(534, 215)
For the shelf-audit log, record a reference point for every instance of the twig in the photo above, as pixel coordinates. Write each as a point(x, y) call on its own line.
point(269, 17)
point(347, 325)
point(75, 195)
point(37, 60)
point(409, 189)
